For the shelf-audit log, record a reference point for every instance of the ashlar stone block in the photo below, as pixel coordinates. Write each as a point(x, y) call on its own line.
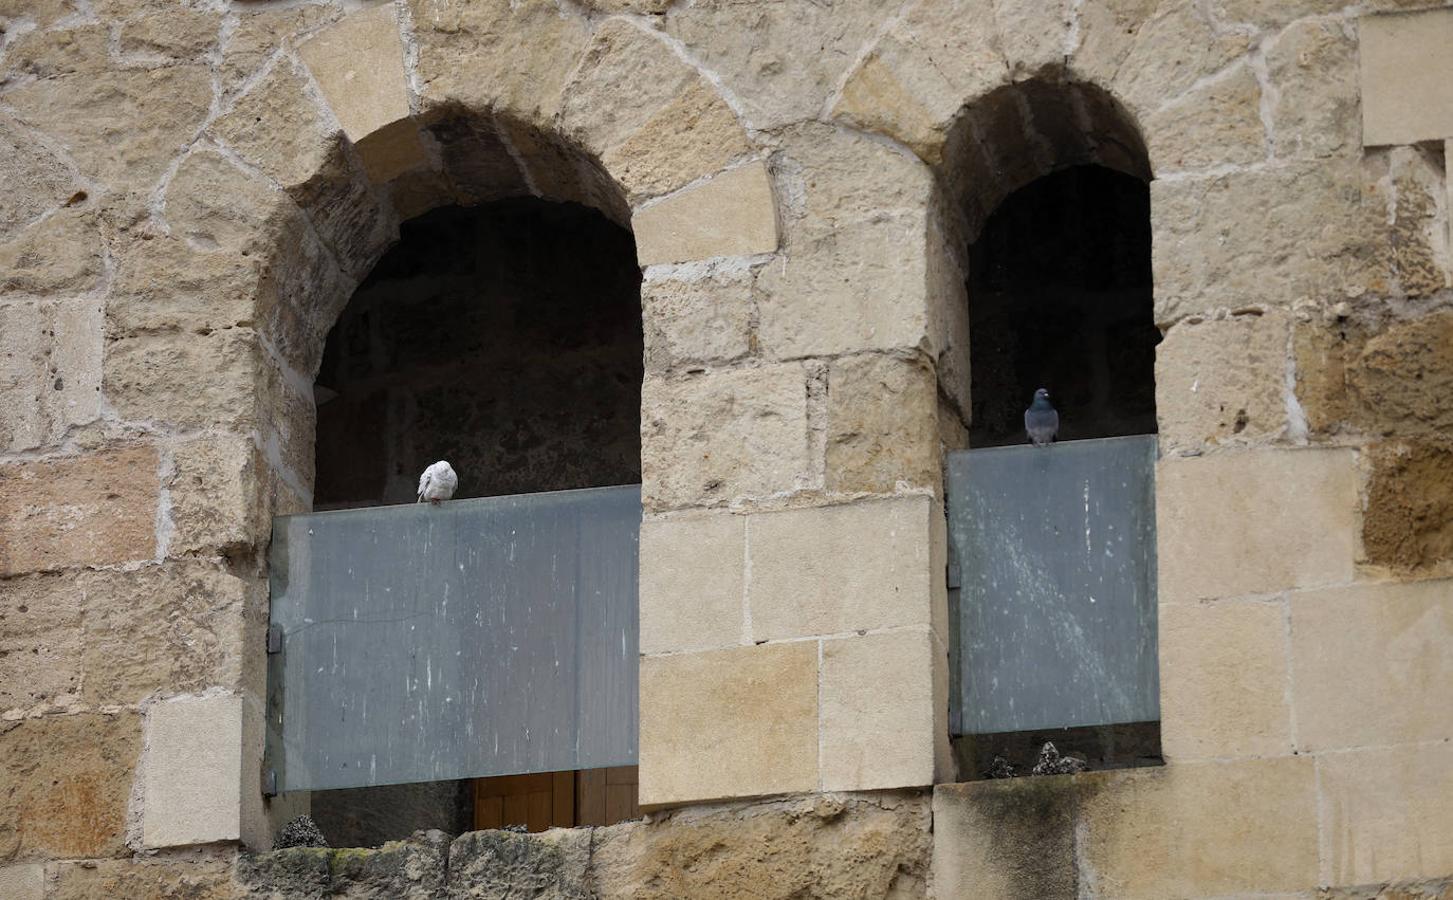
point(1255, 522)
point(23, 882)
point(729, 723)
point(692, 573)
point(730, 214)
point(882, 432)
point(192, 772)
point(1407, 77)
point(1386, 812)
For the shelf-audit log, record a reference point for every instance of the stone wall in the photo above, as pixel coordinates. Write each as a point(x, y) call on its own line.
point(196, 187)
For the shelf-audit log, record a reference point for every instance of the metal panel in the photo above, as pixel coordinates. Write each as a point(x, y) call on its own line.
point(480, 637)
point(1056, 616)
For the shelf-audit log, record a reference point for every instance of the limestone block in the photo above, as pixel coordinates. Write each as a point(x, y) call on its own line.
point(358, 64)
point(40, 640)
point(561, 172)
point(831, 178)
point(1222, 380)
point(1107, 33)
point(185, 379)
point(1406, 73)
point(1385, 812)
point(880, 713)
point(488, 55)
point(721, 435)
point(278, 127)
point(913, 83)
point(1007, 838)
point(1316, 109)
point(1223, 681)
point(729, 723)
point(692, 136)
point(1173, 50)
point(1216, 123)
point(23, 882)
point(731, 214)
point(695, 317)
point(212, 204)
point(1402, 380)
point(392, 150)
point(218, 496)
point(1407, 521)
point(62, 51)
point(1034, 35)
point(43, 12)
point(192, 771)
point(37, 181)
point(61, 253)
point(1275, 236)
point(1255, 522)
point(882, 428)
point(123, 128)
point(1203, 829)
point(861, 287)
point(758, 52)
point(834, 569)
point(256, 35)
point(170, 33)
point(692, 594)
point(1414, 253)
point(195, 875)
point(1370, 663)
point(50, 366)
point(624, 59)
point(96, 509)
point(67, 781)
point(164, 629)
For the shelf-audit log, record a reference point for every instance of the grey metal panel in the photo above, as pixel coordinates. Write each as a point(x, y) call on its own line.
point(480, 637)
point(1056, 617)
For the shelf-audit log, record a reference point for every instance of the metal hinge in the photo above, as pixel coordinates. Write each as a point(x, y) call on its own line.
point(955, 577)
point(274, 639)
point(269, 782)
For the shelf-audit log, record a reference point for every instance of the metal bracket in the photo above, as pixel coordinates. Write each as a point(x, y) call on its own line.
point(274, 639)
point(955, 577)
point(269, 782)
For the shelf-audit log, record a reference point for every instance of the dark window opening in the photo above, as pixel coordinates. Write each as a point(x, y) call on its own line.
point(1060, 298)
point(505, 338)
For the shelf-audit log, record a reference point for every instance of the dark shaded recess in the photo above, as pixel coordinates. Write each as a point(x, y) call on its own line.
point(505, 338)
point(1060, 297)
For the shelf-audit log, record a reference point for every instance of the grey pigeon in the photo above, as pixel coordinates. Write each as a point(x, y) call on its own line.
point(1041, 420)
point(1052, 763)
point(300, 832)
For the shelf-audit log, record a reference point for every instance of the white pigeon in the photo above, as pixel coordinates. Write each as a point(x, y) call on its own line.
point(437, 483)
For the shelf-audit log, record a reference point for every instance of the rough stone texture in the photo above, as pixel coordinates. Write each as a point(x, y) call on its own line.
point(1316, 108)
point(1223, 681)
point(1172, 51)
point(882, 432)
point(406, 870)
point(39, 180)
point(723, 435)
point(1217, 123)
point(729, 723)
point(1190, 830)
point(1384, 811)
point(1414, 255)
point(880, 718)
point(24, 882)
point(1405, 103)
point(70, 511)
point(61, 253)
point(40, 640)
point(1407, 523)
point(692, 136)
point(1367, 663)
point(1222, 381)
point(66, 781)
point(692, 583)
point(217, 496)
point(50, 370)
point(185, 875)
point(691, 318)
point(258, 32)
point(731, 214)
point(485, 865)
point(1255, 522)
point(834, 569)
point(1402, 380)
point(185, 379)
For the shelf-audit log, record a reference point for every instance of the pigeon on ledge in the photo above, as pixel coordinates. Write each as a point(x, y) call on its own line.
point(437, 483)
point(1041, 420)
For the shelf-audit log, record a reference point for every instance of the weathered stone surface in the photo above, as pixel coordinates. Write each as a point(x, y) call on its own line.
point(218, 496)
point(1413, 253)
point(865, 845)
point(1405, 77)
point(278, 127)
point(212, 204)
point(37, 180)
point(1216, 123)
point(724, 435)
point(487, 864)
point(192, 772)
point(83, 510)
point(561, 172)
point(835, 569)
point(358, 63)
point(729, 723)
point(1385, 809)
point(692, 136)
point(1173, 50)
point(185, 379)
point(879, 712)
point(66, 783)
point(692, 316)
point(43, 13)
point(1275, 235)
point(758, 52)
point(1255, 522)
point(257, 34)
point(170, 33)
point(63, 51)
point(1223, 681)
point(692, 574)
point(624, 59)
point(1034, 35)
point(1313, 67)
point(732, 214)
point(1108, 31)
point(50, 366)
point(1368, 663)
point(40, 640)
point(406, 870)
point(1407, 522)
point(160, 630)
point(59, 253)
point(1222, 381)
point(1012, 837)
point(486, 55)
point(23, 882)
point(186, 875)
point(123, 128)
point(882, 433)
